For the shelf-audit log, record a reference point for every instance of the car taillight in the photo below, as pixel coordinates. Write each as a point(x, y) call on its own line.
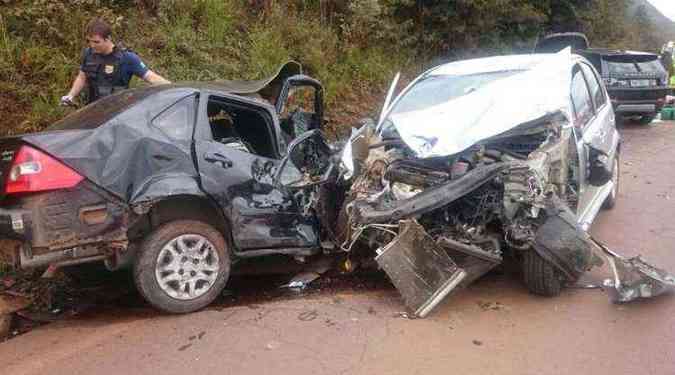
point(33, 170)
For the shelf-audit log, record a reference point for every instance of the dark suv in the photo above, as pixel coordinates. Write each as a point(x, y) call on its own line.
point(637, 82)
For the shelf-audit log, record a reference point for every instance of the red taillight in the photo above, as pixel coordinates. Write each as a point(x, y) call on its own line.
point(33, 170)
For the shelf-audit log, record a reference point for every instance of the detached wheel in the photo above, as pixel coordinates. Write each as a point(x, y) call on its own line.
point(182, 266)
point(540, 277)
point(646, 119)
point(611, 199)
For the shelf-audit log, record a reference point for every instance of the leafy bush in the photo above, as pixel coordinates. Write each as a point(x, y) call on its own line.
point(353, 46)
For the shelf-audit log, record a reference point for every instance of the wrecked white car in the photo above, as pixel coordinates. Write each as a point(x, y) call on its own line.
point(473, 162)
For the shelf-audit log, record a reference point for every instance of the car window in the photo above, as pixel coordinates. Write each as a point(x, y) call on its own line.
point(177, 121)
point(597, 93)
point(581, 99)
point(241, 127)
point(621, 67)
point(298, 111)
point(650, 66)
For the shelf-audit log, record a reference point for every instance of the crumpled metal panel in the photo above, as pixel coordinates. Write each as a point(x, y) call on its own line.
point(633, 278)
point(453, 126)
point(126, 153)
point(421, 270)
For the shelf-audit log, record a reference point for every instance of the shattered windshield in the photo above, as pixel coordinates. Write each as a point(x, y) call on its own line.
point(436, 89)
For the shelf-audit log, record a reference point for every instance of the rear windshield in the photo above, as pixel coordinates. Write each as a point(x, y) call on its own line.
point(630, 64)
point(102, 110)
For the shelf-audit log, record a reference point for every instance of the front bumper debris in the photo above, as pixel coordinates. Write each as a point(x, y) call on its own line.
point(634, 278)
point(421, 270)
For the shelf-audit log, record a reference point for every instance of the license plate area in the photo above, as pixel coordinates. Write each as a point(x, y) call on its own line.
point(640, 82)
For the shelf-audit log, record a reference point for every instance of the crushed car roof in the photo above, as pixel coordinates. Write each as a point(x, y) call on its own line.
point(539, 87)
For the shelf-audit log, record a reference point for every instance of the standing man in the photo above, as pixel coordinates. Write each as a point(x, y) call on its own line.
point(106, 68)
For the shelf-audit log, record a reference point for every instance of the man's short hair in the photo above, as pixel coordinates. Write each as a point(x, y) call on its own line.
point(99, 27)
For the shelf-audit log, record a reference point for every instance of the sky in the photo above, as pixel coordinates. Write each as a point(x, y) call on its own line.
point(667, 7)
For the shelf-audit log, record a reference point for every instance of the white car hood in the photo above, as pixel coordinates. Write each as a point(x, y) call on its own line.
point(455, 125)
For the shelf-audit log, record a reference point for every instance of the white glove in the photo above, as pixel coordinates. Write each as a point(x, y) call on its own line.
point(67, 100)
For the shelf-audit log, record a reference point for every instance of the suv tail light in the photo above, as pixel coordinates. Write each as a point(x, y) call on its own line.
point(33, 170)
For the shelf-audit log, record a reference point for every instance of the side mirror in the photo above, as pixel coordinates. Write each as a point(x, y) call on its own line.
point(309, 162)
point(600, 167)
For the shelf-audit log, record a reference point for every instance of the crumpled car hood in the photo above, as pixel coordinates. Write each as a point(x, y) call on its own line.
point(453, 126)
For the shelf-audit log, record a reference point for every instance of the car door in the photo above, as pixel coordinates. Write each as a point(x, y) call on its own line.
point(601, 131)
point(238, 174)
point(595, 134)
point(300, 106)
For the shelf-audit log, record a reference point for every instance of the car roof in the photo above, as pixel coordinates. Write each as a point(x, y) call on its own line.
point(615, 52)
point(493, 64)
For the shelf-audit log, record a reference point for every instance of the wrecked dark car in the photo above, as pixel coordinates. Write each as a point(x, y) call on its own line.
point(176, 180)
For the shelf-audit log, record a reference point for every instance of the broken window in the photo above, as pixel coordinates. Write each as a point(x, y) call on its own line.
point(241, 127)
point(298, 113)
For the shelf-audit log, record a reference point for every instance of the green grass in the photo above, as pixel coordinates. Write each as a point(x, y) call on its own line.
point(189, 41)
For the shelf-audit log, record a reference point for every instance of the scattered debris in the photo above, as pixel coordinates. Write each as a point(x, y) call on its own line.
point(634, 278)
point(477, 342)
point(272, 345)
point(9, 305)
point(486, 306)
point(308, 316)
point(301, 280)
point(420, 269)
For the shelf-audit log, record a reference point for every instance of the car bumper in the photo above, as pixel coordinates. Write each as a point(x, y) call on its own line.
point(53, 226)
point(638, 101)
point(636, 108)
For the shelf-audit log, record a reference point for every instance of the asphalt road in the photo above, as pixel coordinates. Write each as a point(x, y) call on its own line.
point(493, 327)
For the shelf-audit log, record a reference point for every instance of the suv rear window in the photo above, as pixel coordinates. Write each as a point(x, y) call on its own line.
point(622, 67)
point(650, 66)
point(633, 64)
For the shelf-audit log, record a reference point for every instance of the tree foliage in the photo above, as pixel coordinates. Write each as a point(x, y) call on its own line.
point(353, 46)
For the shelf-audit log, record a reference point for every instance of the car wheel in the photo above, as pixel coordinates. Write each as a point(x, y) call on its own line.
point(540, 277)
point(610, 201)
point(646, 119)
point(182, 266)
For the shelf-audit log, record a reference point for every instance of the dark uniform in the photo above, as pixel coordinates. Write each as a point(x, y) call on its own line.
point(107, 74)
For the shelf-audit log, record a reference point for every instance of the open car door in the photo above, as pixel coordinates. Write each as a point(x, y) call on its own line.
point(300, 105)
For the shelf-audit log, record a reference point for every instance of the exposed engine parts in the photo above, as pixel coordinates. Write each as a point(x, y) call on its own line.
point(507, 196)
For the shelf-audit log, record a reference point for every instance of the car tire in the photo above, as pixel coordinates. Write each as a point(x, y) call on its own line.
point(182, 266)
point(540, 276)
point(646, 119)
point(611, 199)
